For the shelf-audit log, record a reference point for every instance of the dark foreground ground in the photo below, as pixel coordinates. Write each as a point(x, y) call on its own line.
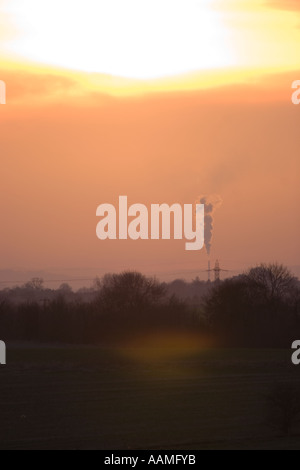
point(137, 398)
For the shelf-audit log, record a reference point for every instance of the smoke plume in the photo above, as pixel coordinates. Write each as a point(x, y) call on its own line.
point(211, 203)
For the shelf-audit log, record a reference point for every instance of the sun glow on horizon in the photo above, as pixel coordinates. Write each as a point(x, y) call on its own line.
point(132, 39)
point(136, 46)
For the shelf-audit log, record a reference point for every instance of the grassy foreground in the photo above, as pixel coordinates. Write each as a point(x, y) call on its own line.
point(138, 398)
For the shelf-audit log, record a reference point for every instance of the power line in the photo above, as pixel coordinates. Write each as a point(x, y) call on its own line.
point(49, 281)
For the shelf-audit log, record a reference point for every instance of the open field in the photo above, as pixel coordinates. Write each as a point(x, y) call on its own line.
point(101, 398)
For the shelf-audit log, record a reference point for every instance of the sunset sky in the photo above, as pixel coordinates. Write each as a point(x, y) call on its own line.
point(160, 100)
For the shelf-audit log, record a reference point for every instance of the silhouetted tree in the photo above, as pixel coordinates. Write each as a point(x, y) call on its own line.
point(65, 288)
point(129, 292)
point(97, 284)
point(256, 309)
point(36, 283)
point(275, 281)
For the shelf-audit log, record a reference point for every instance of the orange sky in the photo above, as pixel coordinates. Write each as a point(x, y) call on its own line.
point(71, 140)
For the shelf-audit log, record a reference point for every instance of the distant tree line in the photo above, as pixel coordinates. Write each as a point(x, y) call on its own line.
point(258, 309)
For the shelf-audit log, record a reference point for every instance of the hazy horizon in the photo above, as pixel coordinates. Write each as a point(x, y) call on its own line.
point(79, 278)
